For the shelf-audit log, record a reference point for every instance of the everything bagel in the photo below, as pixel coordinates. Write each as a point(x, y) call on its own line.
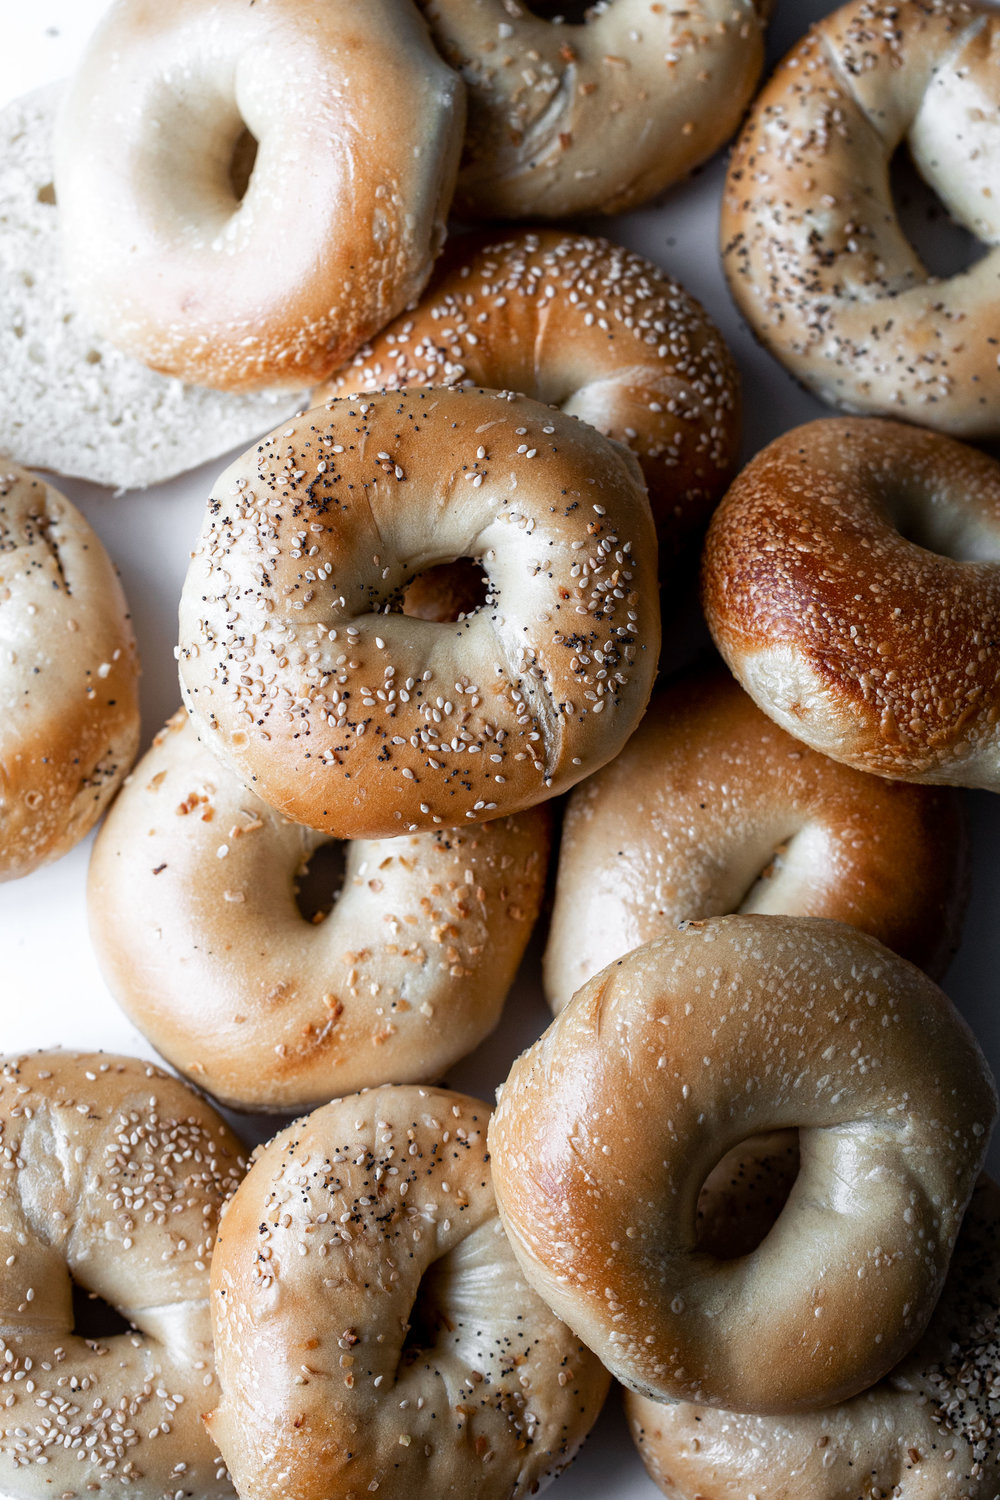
point(570, 119)
point(355, 719)
point(363, 1274)
point(812, 247)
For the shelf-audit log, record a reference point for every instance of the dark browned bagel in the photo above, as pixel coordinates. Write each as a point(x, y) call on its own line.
point(851, 579)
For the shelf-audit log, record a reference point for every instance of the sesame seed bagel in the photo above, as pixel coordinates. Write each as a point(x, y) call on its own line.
point(730, 1028)
point(813, 249)
point(359, 721)
point(112, 1177)
point(363, 1275)
point(851, 579)
point(590, 327)
point(570, 119)
point(225, 223)
point(69, 675)
point(927, 1431)
point(711, 808)
point(192, 898)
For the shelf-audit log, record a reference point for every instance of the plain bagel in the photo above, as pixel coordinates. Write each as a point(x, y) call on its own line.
point(247, 192)
point(569, 119)
point(193, 914)
point(711, 808)
point(851, 580)
point(112, 1177)
point(812, 247)
point(355, 719)
point(69, 675)
point(363, 1276)
point(608, 1126)
point(585, 325)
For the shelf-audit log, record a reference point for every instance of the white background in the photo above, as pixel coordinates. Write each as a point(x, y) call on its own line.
point(51, 992)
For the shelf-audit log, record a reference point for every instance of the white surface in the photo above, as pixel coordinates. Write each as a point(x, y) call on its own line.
point(51, 992)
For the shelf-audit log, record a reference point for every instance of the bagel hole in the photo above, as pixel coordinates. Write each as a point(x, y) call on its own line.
point(929, 520)
point(759, 888)
point(428, 1320)
point(742, 1197)
point(945, 247)
point(95, 1319)
point(790, 866)
point(447, 592)
point(320, 881)
point(241, 164)
point(566, 12)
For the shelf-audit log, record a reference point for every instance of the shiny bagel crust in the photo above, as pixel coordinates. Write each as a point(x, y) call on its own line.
point(193, 914)
point(69, 675)
point(851, 579)
point(711, 808)
point(585, 325)
point(927, 1430)
point(365, 723)
point(599, 117)
point(608, 1126)
point(358, 125)
point(363, 1276)
point(812, 247)
point(112, 1177)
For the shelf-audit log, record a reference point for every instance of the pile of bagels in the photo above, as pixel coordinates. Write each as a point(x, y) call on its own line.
point(423, 715)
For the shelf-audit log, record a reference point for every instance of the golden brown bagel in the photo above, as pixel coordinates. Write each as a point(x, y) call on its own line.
point(365, 723)
point(570, 119)
point(927, 1431)
point(193, 915)
point(590, 327)
point(711, 808)
point(608, 1126)
point(363, 1276)
point(813, 251)
point(186, 258)
point(69, 675)
point(851, 579)
point(112, 1177)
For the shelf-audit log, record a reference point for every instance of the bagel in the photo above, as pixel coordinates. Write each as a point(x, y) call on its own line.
point(362, 1274)
point(193, 915)
point(69, 675)
point(928, 1430)
point(812, 248)
point(112, 1176)
point(608, 1126)
point(586, 325)
point(711, 808)
point(247, 192)
point(597, 117)
point(365, 723)
point(851, 580)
